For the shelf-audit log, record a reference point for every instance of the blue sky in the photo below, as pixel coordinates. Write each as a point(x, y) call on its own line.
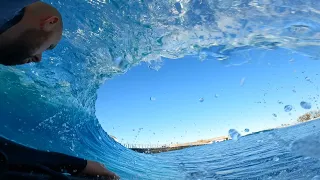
point(235, 96)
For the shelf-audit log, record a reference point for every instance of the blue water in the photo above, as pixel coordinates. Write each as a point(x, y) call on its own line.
point(50, 105)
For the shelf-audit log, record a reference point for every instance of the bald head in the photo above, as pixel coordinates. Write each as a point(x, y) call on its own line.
point(40, 29)
point(44, 11)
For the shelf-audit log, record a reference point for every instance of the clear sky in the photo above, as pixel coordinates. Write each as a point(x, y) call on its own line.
point(242, 92)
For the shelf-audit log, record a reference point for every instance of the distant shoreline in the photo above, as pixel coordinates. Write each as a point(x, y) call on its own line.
point(284, 126)
point(179, 146)
point(173, 147)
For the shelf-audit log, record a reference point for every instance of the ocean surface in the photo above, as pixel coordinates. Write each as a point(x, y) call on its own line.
point(51, 105)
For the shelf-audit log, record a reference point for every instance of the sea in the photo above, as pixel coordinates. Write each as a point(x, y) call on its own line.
point(51, 105)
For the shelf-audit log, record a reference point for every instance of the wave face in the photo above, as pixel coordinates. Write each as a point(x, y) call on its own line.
point(51, 105)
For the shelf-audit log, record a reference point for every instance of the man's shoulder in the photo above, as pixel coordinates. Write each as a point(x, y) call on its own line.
point(9, 8)
point(15, 3)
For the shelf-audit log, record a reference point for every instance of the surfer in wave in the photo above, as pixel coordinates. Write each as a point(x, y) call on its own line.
point(27, 29)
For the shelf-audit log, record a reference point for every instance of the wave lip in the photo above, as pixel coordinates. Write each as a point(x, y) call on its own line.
point(104, 39)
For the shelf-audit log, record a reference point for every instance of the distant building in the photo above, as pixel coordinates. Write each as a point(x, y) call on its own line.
point(285, 125)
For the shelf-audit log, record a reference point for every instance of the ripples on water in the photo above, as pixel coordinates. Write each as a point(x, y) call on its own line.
point(277, 154)
point(51, 105)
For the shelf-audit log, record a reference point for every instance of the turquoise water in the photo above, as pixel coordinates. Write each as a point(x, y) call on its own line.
point(51, 105)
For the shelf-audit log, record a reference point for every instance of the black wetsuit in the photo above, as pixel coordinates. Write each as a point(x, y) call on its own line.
point(22, 158)
point(10, 8)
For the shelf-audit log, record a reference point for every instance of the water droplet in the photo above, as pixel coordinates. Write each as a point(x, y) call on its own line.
point(178, 7)
point(216, 95)
point(274, 115)
point(117, 60)
point(202, 56)
point(156, 64)
point(276, 158)
point(201, 100)
point(306, 158)
point(181, 164)
point(234, 134)
point(246, 130)
point(242, 81)
point(305, 105)
point(288, 108)
point(152, 98)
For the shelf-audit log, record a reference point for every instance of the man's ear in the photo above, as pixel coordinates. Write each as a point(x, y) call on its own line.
point(49, 23)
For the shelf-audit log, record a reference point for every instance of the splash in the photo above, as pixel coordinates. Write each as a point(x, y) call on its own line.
point(234, 134)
